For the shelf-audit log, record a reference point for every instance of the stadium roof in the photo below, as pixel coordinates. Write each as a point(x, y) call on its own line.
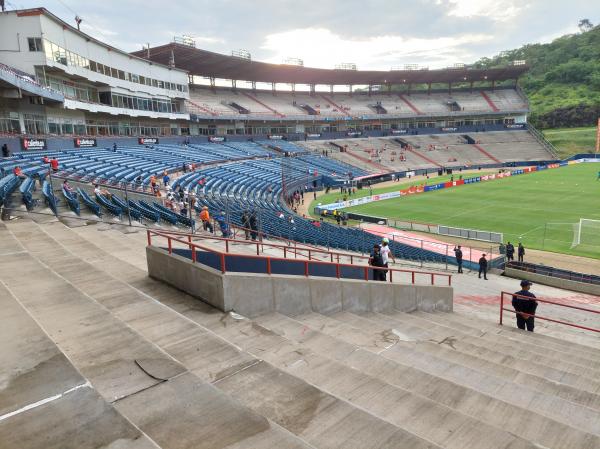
point(214, 65)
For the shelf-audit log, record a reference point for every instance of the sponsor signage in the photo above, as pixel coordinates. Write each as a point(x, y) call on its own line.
point(313, 135)
point(85, 142)
point(449, 130)
point(515, 126)
point(216, 139)
point(399, 131)
point(354, 133)
point(275, 136)
point(147, 140)
point(28, 144)
point(435, 187)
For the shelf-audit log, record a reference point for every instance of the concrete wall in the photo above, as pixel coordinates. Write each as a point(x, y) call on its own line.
point(256, 294)
point(566, 284)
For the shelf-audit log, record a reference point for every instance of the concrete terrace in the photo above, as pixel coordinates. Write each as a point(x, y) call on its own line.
point(98, 355)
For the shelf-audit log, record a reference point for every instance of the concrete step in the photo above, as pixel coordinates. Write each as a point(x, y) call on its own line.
point(415, 413)
point(435, 339)
point(472, 377)
point(536, 341)
point(44, 400)
point(411, 329)
point(192, 347)
point(470, 402)
point(127, 368)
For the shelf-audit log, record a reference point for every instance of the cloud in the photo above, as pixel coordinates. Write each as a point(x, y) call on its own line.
point(499, 10)
point(320, 47)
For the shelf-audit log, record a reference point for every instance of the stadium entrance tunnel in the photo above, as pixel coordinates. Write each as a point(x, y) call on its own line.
point(251, 292)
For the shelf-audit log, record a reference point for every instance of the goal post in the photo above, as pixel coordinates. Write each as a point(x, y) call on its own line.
point(587, 232)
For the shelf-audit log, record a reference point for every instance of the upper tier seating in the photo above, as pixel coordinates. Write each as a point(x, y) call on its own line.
point(206, 101)
point(433, 151)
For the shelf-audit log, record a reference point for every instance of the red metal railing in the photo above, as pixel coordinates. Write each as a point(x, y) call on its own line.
point(553, 320)
point(185, 240)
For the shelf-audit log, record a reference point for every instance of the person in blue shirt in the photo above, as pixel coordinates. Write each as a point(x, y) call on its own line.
point(223, 225)
point(166, 179)
point(525, 305)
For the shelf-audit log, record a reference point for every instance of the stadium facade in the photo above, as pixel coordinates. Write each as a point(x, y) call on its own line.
point(57, 82)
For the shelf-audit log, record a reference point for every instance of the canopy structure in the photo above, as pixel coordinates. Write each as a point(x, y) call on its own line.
point(214, 65)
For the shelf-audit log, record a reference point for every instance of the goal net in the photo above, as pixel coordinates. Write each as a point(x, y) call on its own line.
point(586, 232)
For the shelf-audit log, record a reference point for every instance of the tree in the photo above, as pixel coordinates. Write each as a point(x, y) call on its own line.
point(585, 25)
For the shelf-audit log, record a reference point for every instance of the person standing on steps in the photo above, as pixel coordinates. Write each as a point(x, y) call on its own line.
point(483, 266)
point(525, 305)
point(510, 252)
point(386, 254)
point(376, 261)
point(5, 151)
point(458, 254)
point(521, 252)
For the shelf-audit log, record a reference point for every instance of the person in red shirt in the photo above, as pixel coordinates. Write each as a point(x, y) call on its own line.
point(18, 172)
point(46, 159)
point(54, 164)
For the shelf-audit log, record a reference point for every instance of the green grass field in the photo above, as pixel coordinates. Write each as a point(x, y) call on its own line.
point(570, 141)
point(538, 209)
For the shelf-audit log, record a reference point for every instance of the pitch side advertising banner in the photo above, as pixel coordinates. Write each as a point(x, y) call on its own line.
point(399, 131)
point(147, 140)
point(441, 185)
point(449, 130)
point(275, 137)
point(515, 126)
point(354, 133)
point(313, 135)
point(216, 139)
point(28, 144)
point(472, 180)
point(85, 143)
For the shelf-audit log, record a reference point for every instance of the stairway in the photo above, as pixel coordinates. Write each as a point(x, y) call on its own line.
point(489, 101)
point(345, 380)
point(483, 151)
point(421, 155)
point(410, 104)
point(264, 105)
point(339, 108)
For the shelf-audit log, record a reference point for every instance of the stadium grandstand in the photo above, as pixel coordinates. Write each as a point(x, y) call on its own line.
point(167, 280)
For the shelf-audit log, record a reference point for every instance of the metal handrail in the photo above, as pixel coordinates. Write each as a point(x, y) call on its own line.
point(268, 259)
point(578, 326)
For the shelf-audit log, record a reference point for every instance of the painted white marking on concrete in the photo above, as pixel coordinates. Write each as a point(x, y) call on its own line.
point(43, 401)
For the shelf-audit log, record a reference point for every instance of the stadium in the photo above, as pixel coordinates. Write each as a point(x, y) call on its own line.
point(191, 253)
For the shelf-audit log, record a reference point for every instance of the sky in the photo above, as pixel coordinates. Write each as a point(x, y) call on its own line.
point(373, 34)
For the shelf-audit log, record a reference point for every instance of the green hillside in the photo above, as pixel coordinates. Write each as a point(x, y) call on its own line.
point(563, 84)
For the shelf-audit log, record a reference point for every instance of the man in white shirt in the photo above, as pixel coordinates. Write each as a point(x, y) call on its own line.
point(386, 254)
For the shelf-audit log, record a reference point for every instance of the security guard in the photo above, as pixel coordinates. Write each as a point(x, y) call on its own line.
point(525, 307)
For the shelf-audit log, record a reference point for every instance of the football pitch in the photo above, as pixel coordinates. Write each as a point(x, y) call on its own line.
point(540, 209)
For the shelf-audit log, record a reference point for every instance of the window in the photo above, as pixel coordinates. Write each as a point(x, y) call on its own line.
point(35, 44)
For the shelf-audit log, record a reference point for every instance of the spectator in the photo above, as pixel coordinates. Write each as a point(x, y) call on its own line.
point(68, 188)
point(46, 159)
point(483, 266)
point(252, 220)
point(138, 180)
point(54, 164)
point(18, 172)
point(458, 254)
point(114, 147)
point(183, 210)
point(5, 151)
point(525, 307)
point(510, 252)
point(521, 252)
point(205, 217)
point(223, 225)
point(386, 255)
point(246, 224)
point(102, 192)
point(376, 260)
point(166, 179)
